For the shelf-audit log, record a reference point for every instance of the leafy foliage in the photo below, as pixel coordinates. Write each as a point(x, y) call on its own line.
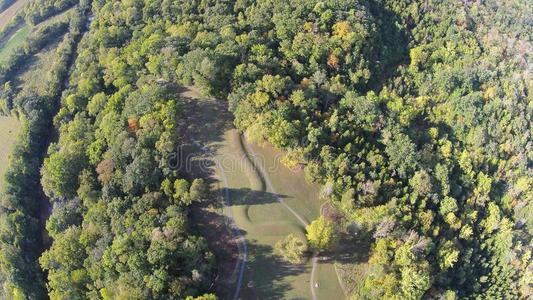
point(22, 205)
point(321, 234)
point(415, 116)
point(291, 249)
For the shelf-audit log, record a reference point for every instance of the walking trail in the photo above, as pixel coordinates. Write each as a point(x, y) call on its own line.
point(263, 203)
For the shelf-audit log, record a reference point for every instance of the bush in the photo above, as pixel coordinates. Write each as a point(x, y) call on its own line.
point(321, 234)
point(291, 248)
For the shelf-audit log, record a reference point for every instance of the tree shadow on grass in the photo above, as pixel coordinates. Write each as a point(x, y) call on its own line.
point(350, 249)
point(202, 126)
point(216, 230)
point(266, 274)
point(203, 120)
point(203, 123)
point(246, 196)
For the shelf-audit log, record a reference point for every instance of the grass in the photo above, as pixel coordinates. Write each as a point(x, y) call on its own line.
point(18, 38)
point(15, 41)
point(304, 199)
point(9, 129)
point(299, 194)
point(32, 76)
point(264, 222)
point(260, 217)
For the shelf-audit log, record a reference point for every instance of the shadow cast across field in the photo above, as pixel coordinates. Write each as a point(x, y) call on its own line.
point(205, 126)
point(206, 120)
point(267, 274)
point(246, 196)
point(203, 123)
point(350, 249)
point(216, 229)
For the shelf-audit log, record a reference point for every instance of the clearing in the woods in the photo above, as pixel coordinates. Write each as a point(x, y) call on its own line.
point(262, 200)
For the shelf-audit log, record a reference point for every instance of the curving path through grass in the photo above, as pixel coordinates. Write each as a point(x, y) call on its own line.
point(261, 205)
point(270, 188)
point(243, 249)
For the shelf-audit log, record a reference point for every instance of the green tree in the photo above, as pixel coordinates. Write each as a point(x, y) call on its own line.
point(321, 234)
point(415, 282)
point(402, 153)
point(291, 248)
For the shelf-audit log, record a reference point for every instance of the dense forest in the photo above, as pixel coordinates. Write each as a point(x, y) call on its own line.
point(414, 117)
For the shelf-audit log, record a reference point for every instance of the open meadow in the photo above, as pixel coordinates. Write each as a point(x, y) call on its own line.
point(259, 203)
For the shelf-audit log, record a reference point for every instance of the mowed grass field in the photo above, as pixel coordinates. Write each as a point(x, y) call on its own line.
point(14, 41)
point(262, 220)
point(9, 129)
point(304, 198)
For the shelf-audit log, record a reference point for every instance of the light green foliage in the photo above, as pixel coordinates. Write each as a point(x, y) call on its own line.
point(181, 189)
point(449, 254)
point(415, 281)
point(321, 234)
point(291, 248)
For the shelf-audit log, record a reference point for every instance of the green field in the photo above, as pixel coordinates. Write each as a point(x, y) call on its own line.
point(18, 38)
point(31, 76)
point(15, 41)
point(9, 129)
point(304, 198)
point(242, 168)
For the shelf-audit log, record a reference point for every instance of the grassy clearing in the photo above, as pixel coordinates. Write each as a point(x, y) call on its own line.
point(290, 184)
point(264, 222)
point(9, 129)
point(304, 199)
point(15, 41)
point(31, 77)
point(18, 38)
point(262, 219)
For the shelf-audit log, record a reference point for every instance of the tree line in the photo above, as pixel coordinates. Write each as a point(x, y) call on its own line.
point(23, 202)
